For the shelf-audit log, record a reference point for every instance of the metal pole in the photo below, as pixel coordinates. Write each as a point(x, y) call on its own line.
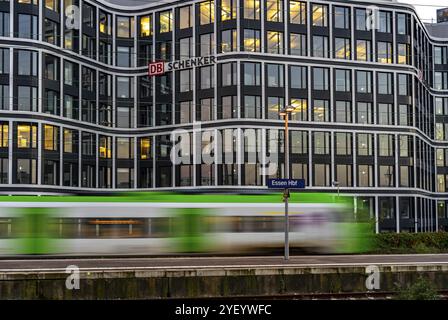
point(286, 190)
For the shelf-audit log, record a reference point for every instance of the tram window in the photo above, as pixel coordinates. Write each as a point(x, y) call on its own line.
point(6, 228)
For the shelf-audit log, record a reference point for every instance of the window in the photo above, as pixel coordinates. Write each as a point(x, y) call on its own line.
point(320, 46)
point(125, 56)
point(145, 148)
point(440, 55)
point(321, 142)
point(320, 15)
point(343, 80)
point(386, 145)
point(70, 73)
point(361, 19)
point(26, 171)
point(125, 148)
point(165, 21)
point(207, 78)
point(363, 82)
point(51, 102)
point(343, 143)
point(384, 52)
point(252, 74)
point(344, 175)
point(27, 98)
point(185, 17)
point(51, 32)
point(404, 116)
point(4, 135)
point(297, 44)
point(206, 112)
point(364, 113)
point(68, 141)
point(125, 27)
point(385, 114)
point(365, 175)
point(70, 107)
point(298, 78)
point(441, 80)
point(321, 175)
point(125, 87)
point(274, 10)
point(300, 109)
point(228, 108)
point(28, 27)
point(228, 9)
point(207, 44)
point(402, 23)
point(320, 78)
point(274, 105)
point(385, 83)
point(403, 84)
point(185, 48)
point(252, 9)
point(186, 80)
point(252, 107)
point(343, 112)
point(50, 138)
point(275, 75)
point(385, 22)
point(206, 12)
point(88, 15)
point(4, 24)
point(229, 40)
point(26, 136)
point(365, 144)
point(341, 17)
point(342, 48)
point(51, 67)
point(403, 53)
point(297, 12)
point(405, 145)
point(146, 26)
point(386, 176)
point(106, 23)
point(363, 50)
point(88, 79)
point(252, 40)
point(228, 74)
point(27, 63)
point(275, 42)
point(321, 110)
point(4, 97)
point(105, 147)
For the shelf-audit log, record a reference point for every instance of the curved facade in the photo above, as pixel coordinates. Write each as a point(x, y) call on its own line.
point(79, 112)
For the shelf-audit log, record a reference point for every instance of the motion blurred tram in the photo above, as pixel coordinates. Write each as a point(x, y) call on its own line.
point(166, 224)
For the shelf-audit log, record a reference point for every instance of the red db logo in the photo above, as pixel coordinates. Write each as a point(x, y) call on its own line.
point(156, 68)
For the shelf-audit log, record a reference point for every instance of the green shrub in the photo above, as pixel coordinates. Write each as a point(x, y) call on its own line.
point(429, 242)
point(422, 289)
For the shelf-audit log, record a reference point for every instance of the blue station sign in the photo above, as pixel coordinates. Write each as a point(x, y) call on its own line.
point(286, 183)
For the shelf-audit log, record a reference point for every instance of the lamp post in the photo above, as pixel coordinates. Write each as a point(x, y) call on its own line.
point(285, 112)
point(336, 184)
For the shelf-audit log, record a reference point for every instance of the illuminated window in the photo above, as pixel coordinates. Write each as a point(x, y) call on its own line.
point(403, 53)
point(320, 16)
point(251, 40)
point(185, 18)
point(300, 109)
point(68, 141)
point(145, 148)
point(50, 138)
point(363, 50)
point(206, 12)
point(228, 9)
point(4, 130)
point(321, 110)
point(342, 48)
point(384, 52)
point(125, 27)
point(28, 1)
point(26, 136)
point(52, 5)
point(274, 10)
point(252, 9)
point(105, 23)
point(275, 42)
point(146, 26)
point(105, 147)
point(165, 21)
point(297, 11)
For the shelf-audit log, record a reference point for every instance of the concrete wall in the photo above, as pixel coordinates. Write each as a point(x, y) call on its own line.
point(151, 284)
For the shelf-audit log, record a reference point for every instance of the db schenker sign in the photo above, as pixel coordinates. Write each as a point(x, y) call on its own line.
point(160, 67)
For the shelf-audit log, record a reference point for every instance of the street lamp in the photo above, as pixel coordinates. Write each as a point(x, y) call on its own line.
point(285, 112)
point(336, 184)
